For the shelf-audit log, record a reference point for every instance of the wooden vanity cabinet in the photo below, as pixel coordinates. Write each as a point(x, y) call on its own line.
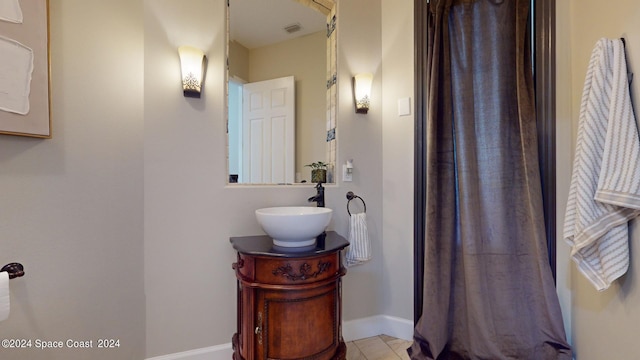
point(289, 302)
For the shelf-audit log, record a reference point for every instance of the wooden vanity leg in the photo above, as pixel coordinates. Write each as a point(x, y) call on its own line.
point(341, 353)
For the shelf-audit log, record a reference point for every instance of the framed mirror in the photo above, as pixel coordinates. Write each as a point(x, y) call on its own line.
point(282, 91)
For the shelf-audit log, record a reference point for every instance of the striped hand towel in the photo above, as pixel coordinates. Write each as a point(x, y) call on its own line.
point(359, 250)
point(605, 184)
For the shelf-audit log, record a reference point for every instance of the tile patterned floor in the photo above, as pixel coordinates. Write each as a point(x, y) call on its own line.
point(381, 347)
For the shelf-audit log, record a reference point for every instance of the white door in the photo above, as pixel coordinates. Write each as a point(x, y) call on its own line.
point(268, 128)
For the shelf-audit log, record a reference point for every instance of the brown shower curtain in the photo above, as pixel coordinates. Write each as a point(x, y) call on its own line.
point(488, 288)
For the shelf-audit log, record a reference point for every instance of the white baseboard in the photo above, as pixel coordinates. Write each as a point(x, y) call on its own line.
point(218, 352)
point(377, 325)
point(351, 330)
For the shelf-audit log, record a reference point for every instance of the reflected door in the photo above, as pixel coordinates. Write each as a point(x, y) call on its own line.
point(268, 128)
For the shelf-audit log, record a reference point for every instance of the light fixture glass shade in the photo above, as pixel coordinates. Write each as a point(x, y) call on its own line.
point(362, 92)
point(192, 64)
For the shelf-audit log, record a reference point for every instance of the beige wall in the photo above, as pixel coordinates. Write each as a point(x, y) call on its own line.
point(360, 138)
point(189, 285)
point(238, 61)
point(305, 59)
point(398, 150)
point(71, 208)
point(189, 212)
point(604, 324)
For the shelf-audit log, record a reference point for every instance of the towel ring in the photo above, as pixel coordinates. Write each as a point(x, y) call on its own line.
point(351, 196)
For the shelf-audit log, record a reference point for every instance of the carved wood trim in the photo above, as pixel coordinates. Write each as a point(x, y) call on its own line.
point(239, 264)
point(305, 271)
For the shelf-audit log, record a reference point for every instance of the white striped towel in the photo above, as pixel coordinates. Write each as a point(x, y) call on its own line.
point(605, 184)
point(359, 250)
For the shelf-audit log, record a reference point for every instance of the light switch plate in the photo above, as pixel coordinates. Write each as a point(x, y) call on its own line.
point(346, 176)
point(404, 106)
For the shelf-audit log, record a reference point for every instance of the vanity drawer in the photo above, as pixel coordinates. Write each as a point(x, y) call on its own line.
point(289, 271)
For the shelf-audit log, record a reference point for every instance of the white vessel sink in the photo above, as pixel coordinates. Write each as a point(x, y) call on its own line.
point(294, 226)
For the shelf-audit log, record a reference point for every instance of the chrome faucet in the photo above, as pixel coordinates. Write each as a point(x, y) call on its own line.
point(319, 197)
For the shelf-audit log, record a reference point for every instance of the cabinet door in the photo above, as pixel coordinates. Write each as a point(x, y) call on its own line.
point(298, 324)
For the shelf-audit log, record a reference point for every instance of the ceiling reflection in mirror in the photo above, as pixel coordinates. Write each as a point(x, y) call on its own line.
point(281, 90)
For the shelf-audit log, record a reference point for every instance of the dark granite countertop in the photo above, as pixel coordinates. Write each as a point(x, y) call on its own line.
point(263, 245)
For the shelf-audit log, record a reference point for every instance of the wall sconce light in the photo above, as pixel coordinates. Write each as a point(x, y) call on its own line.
point(192, 63)
point(362, 92)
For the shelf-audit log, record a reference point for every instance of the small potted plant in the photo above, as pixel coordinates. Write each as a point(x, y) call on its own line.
point(318, 172)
